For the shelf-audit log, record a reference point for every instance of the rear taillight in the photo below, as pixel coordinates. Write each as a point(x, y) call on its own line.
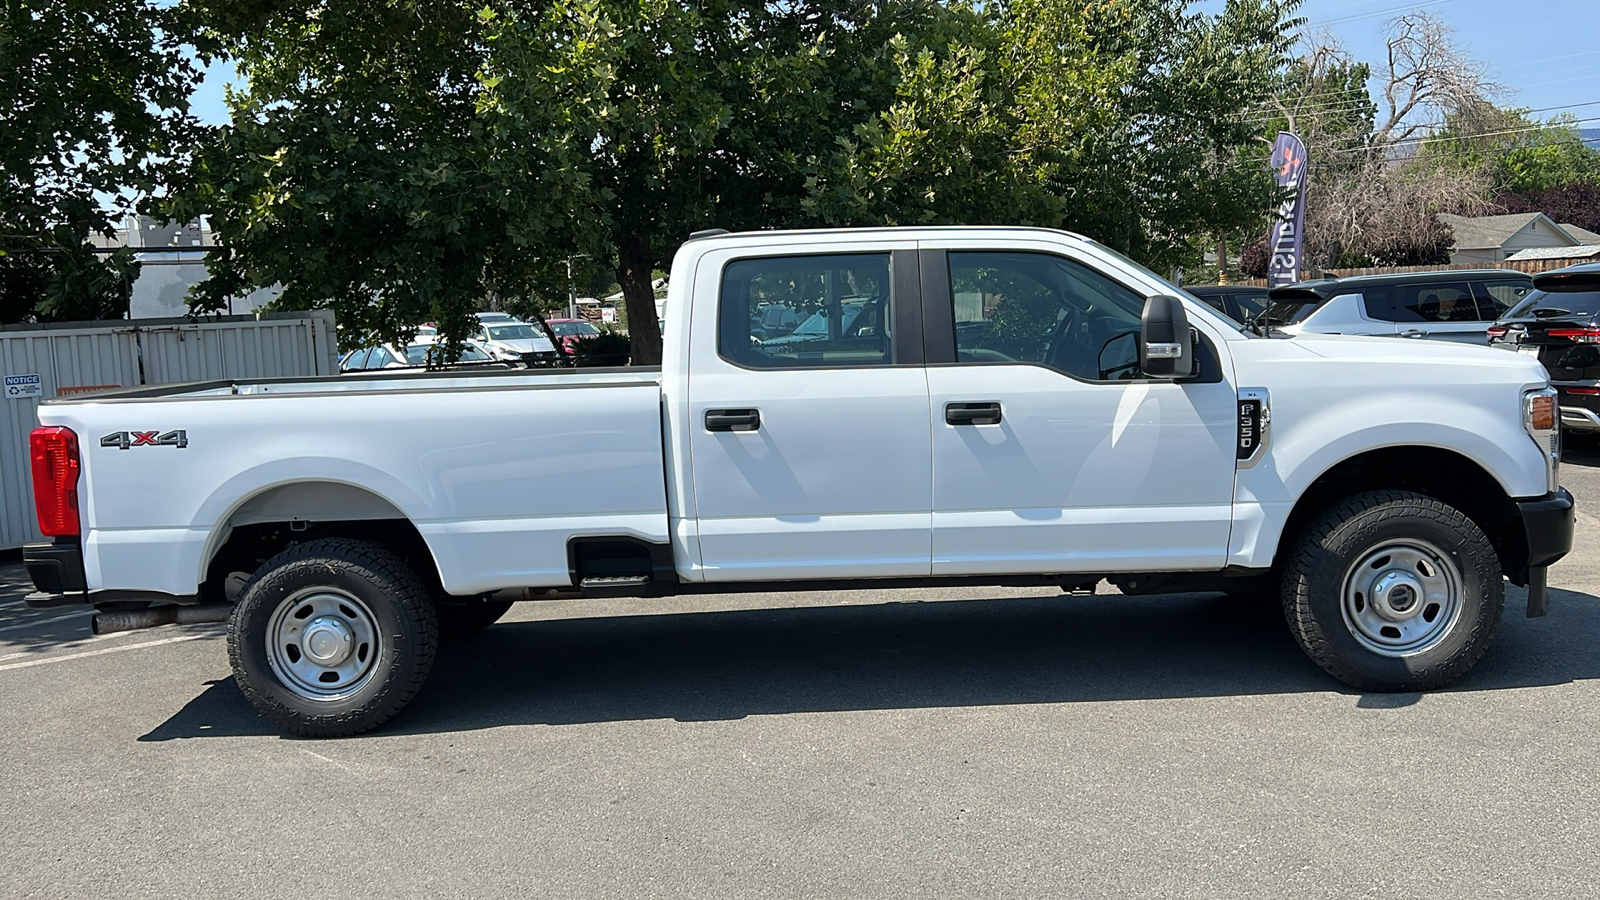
point(55, 480)
point(1497, 331)
point(1585, 391)
point(1590, 335)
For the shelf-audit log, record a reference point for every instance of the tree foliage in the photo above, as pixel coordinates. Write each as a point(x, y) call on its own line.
point(1577, 204)
point(407, 160)
point(93, 107)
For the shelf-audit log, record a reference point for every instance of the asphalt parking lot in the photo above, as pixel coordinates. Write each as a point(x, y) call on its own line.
point(996, 743)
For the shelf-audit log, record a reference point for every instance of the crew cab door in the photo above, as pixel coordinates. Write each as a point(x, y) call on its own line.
point(808, 414)
point(1051, 451)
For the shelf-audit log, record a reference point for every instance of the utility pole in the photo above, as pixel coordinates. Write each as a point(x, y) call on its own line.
point(572, 286)
point(572, 292)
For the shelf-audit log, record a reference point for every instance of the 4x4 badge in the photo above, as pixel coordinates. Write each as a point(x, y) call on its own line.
point(122, 440)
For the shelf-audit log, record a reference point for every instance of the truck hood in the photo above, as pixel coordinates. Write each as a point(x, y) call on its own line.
point(1351, 347)
point(1352, 362)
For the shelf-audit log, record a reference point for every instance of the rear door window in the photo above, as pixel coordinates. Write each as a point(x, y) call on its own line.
point(1441, 302)
point(831, 311)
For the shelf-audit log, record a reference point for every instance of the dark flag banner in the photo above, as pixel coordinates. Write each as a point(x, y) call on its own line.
point(1289, 168)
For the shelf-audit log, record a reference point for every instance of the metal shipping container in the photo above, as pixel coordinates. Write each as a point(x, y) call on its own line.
point(40, 362)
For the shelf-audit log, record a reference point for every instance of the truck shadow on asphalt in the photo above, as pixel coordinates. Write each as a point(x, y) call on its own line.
point(1580, 450)
point(729, 665)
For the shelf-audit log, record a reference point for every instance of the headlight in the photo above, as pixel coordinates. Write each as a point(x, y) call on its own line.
point(1541, 418)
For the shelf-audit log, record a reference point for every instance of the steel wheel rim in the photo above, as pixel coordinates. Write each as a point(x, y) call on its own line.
point(1402, 598)
point(323, 643)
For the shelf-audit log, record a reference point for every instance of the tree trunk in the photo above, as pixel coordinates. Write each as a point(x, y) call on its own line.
point(1222, 258)
point(634, 264)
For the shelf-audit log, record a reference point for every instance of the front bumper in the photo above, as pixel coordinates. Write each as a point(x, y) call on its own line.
point(1547, 526)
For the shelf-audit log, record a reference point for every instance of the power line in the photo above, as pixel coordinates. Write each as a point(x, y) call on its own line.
point(1550, 59)
point(1565, 106)
point(1411, 7)
point(1433, 139)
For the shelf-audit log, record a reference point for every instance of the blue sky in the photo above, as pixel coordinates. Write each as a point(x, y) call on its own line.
point(1542, 51)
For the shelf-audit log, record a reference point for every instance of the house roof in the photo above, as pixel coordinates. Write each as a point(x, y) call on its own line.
point(1582, 251)
point(1492, 232)
point(1581, 235)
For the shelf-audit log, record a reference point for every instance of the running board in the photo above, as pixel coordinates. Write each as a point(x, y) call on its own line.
point(613, 582)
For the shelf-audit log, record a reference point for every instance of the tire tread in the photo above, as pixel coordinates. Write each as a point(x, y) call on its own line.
point(1346, 521)
point(377, 564)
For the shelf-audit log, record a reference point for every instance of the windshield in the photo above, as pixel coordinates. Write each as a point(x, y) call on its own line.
point(1171, 288)
point(1288, 307)
point(1585, 303)
point(517, 332)
point(418, 354)
point(568, 329)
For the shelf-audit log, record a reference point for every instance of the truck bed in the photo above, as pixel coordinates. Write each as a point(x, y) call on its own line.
point(496, 470)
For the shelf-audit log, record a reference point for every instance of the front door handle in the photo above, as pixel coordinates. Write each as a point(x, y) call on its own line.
point(972, 413)
point(1413, 333)
point(733, 419)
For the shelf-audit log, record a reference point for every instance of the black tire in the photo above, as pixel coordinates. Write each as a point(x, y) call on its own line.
point(1333, 609)
point(391, 611)
point(461, 617)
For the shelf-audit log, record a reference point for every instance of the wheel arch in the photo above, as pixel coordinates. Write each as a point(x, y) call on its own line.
point(1446, 475)
point(276, 516)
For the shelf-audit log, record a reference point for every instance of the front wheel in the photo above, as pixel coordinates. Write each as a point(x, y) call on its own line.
point(1393, 591)
point(332, 637)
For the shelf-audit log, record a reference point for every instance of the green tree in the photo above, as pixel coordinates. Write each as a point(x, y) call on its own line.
point(405, 160)
point(93, 107)
point(354, 170)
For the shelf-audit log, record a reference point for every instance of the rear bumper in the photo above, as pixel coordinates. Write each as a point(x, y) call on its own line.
point(1579, 412)
point(1548, 525)
point(56, 568)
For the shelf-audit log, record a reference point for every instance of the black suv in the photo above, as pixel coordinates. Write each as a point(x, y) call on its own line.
point(1560, 323)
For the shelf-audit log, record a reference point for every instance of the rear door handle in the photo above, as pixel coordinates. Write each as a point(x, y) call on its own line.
point(972, 413)
point(733, 419)
point(1413, 333)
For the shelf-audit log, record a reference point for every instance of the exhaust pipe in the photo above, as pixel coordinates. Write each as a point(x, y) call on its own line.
point(113, 622)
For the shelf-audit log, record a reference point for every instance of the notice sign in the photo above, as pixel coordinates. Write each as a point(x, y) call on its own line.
point(19, 386)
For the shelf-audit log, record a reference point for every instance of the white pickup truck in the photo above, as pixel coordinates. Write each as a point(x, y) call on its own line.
point(1002, 406)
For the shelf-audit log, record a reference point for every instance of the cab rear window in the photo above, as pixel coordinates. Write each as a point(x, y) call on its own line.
point(1580, 303)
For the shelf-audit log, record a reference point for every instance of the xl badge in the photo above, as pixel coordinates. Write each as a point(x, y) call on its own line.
point(122, 440)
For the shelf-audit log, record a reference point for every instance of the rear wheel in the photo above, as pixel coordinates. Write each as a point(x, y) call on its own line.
point(1394, 591)
point(332, 637)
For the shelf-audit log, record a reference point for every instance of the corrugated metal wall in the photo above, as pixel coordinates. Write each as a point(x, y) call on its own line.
point(140, 352)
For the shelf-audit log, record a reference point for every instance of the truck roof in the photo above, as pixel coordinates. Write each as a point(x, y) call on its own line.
point(894, 231)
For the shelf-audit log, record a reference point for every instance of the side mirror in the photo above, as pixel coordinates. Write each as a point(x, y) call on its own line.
point(1166, 349)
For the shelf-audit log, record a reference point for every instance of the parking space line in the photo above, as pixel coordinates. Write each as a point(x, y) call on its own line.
point(71, 656)
point(53, 619)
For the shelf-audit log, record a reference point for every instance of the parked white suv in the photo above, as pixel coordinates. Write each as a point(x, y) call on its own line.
point(1444, 305)
point(515, 340)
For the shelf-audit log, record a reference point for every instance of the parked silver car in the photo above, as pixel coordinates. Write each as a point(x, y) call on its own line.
point(1445, 305)
point(517, 341)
